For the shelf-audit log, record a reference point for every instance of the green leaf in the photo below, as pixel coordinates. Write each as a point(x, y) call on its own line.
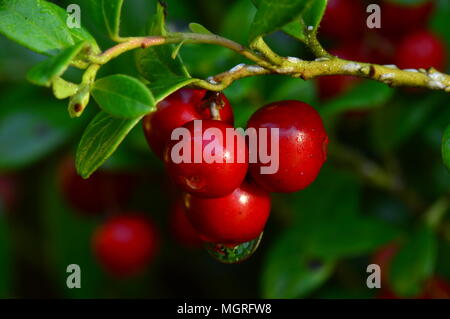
point(39, 126)
point(156, 62)
point(123, 96)
point(100, 139)
point(295, 17)
point(198, 28)
point(414, 263)
point(349, 237)
point(367, 95)
point(166, 86)
point(394, 124)
point(446, 147)
point(44, 72)
point(288, 272)
point(39, 25)
point(63, 89)
point(111, 13)
point(332, 231)
point(236, 23)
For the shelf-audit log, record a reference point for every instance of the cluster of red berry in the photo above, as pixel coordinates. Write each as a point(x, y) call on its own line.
point(403, 39)
point(227, 202)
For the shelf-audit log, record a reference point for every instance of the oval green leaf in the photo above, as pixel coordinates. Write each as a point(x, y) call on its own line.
point(288, 272)
point(100, 139)
point(166, 86)
point(155, 62)
point(414, 263)
point(44, 72)
point(123, 96)
point(275, 15)
point(39, 25)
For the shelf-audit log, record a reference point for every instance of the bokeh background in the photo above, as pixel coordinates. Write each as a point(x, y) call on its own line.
point(384, 184)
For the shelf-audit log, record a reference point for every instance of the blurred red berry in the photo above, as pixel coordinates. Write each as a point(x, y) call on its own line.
point(8, 191)
point(103, 191)
point(398, 19)
point(421, 49)
point(343, 20)
point(436, 288)
point(383, 257)
point(125, 245)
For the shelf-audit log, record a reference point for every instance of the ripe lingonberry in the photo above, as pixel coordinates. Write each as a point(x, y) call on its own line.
point(179, 108)
point(232, 219)
point(181, 227)
point(302, 145)
point(343, 19)
point(398, 19)
point(125, 245)
point(421, 49)
point(209, 176)
point(330, 86)
point(102, 191)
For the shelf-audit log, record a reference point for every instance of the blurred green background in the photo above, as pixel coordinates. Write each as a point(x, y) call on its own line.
point(384, 180)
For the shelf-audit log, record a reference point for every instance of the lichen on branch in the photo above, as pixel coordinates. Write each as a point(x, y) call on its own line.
point(268, 62)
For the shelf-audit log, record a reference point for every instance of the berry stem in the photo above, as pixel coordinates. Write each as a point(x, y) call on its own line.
point(268, 62)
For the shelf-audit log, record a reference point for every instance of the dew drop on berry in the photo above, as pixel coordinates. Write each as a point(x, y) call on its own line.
point(228, 254)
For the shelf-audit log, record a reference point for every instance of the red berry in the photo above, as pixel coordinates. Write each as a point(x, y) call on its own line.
point(383, 258)
point(436, 288)
point(302, 145)
point(421, 49)
point(343, 20)
point(330, 86)
point(102, 191)
point(8, 192)
point(178, 109)
point(181, 228)
point(205, 179)
point(125, 245)
point(398, 19)
point(232, 219)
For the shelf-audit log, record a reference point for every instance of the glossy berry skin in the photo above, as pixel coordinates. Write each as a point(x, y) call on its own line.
point(232, 219)
point(178, 109)
point(181, 227)
point(421, 49)
point(208, 179)
point(302, 145)
point(330, 86)
point(125, 245)
point(398, 19)
point(101, 192)
point(343, 20)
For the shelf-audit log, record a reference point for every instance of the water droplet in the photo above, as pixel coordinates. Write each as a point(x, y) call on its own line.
point(231, 255)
